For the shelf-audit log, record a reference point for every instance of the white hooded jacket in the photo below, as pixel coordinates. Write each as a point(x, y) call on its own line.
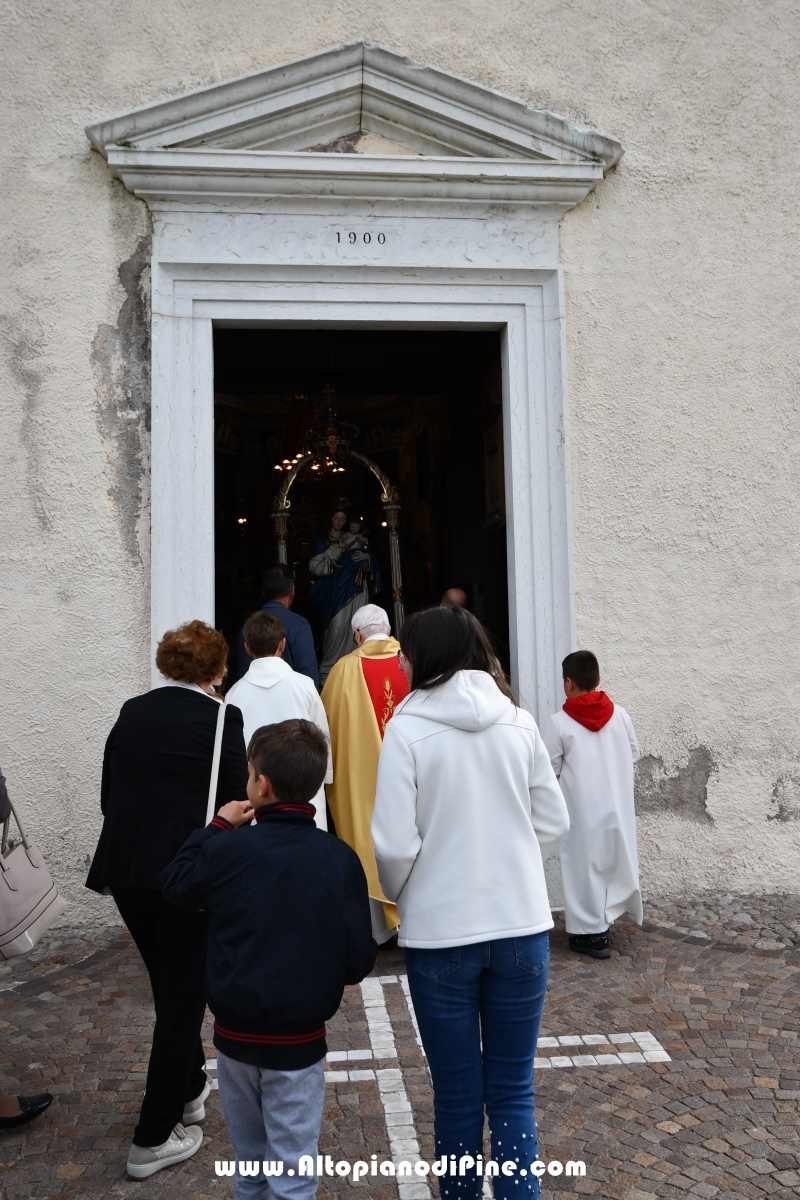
point(466, 810)
point(271, 692)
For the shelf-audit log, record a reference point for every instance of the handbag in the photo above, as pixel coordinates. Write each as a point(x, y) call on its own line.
point(29, 900)
point(211, 807)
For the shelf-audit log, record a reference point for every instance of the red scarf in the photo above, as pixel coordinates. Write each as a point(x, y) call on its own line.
point(592, 710)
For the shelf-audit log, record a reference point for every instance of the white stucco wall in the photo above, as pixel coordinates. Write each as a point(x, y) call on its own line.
point(681, 283)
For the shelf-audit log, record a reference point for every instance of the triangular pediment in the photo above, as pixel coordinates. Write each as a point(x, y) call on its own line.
point(356, 99)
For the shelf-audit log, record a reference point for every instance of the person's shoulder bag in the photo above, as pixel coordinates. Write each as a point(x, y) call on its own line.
point(29, 900)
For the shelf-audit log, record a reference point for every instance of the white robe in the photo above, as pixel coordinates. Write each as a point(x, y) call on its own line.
point(271, 692)
point(599, 861)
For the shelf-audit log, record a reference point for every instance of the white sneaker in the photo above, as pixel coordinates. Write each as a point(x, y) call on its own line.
point(195, 1109)
point(182, 1143)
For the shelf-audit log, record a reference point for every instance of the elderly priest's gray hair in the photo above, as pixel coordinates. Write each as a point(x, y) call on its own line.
point(371, 619)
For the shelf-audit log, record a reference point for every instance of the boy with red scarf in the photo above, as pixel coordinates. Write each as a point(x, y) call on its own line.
point(592, 746)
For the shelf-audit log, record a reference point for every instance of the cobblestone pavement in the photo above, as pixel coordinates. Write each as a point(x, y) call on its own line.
point(716, 983)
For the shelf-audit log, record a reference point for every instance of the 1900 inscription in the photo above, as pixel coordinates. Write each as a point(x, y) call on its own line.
point(352, 237)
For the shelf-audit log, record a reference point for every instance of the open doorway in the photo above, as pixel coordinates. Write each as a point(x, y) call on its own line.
point(426, 407)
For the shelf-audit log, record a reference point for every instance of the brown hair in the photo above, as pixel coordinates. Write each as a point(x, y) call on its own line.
point(195, 653)
point(263, 633)
point(294, 757)
point(440, 642)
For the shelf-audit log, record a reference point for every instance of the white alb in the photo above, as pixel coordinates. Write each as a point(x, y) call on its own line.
point(270, 692)
point(466, 810)
point(599, 861)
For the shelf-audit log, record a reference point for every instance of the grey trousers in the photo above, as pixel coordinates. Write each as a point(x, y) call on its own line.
point(272, 1116)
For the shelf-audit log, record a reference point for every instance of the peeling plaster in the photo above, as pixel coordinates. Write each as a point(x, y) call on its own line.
point(685, 794)
point(786, 797)
point(24, 343)
point(362, 143)
point(121, 363)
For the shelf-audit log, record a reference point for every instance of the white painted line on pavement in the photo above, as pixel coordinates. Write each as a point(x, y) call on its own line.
point(403, 1143)
point(412, 1014)
point(649, 1050)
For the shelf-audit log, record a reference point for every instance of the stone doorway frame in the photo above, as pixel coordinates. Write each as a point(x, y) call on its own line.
point(526, 309)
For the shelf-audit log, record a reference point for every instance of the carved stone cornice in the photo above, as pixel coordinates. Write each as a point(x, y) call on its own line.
point(258, 137)
point(225, 175)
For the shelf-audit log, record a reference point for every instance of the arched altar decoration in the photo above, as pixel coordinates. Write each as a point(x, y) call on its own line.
point(332, 442)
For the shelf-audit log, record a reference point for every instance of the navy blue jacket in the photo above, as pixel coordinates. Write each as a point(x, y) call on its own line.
point(289, 926)
point(299, 653)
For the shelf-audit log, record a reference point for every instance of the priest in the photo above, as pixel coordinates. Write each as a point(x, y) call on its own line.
point(360, 695)
point(593, 747)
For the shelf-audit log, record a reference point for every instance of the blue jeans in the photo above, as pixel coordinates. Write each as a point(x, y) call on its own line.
point(478, 1009)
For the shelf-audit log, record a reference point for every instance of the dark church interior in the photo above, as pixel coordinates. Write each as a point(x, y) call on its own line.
point(425, 406)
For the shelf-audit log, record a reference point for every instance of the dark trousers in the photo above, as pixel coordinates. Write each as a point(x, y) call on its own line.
point(173, 945)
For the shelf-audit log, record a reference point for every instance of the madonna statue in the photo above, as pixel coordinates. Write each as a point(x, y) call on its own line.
point(343, 565)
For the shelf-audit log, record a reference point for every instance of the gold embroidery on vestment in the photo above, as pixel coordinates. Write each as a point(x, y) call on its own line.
point(389, 703)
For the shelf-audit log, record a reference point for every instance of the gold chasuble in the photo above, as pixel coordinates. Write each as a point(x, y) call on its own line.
point(360, 695)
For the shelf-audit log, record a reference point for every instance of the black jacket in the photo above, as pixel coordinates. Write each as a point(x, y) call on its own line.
point(5, 804)
point(156, 773)
point(289, 926)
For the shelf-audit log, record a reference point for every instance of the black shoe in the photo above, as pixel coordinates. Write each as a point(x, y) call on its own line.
point(32, 1106)
point(594, 944)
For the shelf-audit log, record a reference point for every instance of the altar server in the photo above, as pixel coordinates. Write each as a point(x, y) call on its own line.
point(360, 696)
point(277, 586)
point(272, 692)
point(592, 746)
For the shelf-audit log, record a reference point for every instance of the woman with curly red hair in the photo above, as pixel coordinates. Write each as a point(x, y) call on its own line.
point(154, 792)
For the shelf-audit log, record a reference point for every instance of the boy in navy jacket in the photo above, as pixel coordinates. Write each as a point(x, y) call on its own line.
point(289, 926)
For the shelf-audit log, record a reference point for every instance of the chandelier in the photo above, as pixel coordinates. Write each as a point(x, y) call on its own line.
point(322, 443)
